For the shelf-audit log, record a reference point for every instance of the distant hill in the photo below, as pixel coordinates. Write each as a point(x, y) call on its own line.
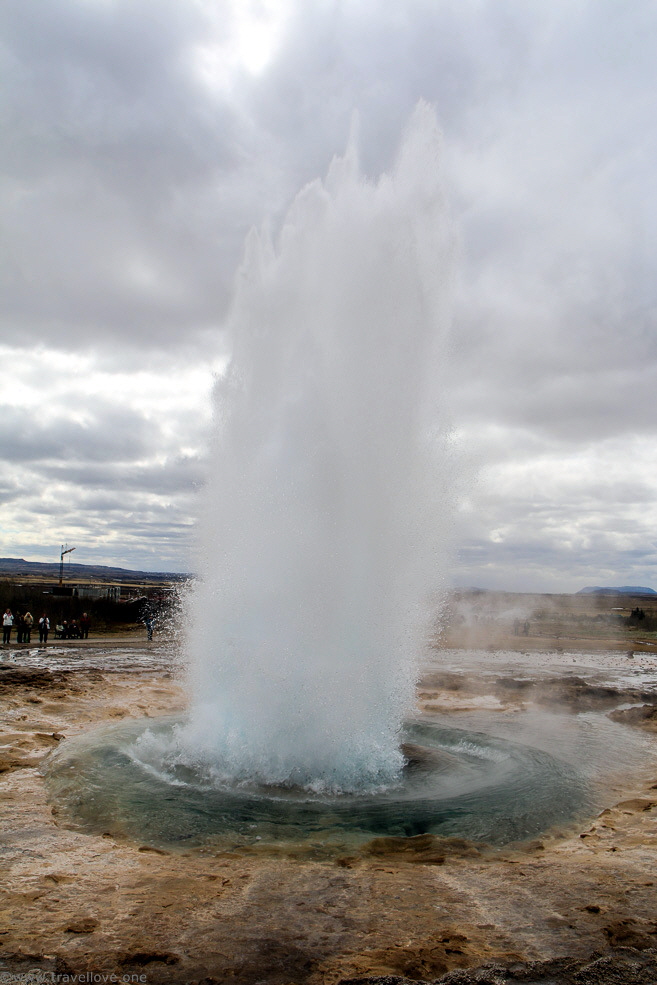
point(623, 590)
point(11, 567)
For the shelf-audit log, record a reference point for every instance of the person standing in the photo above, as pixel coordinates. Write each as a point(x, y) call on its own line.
point(7, 623)
point(19, 623)
point(28, 622)
point(44, 628)
point(85, 626)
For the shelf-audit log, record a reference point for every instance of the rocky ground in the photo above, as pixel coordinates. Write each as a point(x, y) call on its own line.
point(578, 906)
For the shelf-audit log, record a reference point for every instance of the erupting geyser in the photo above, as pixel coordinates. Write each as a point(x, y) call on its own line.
point(321, 533)
point(322, 539)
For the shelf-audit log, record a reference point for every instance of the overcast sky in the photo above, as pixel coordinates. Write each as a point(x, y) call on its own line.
point(143, 138)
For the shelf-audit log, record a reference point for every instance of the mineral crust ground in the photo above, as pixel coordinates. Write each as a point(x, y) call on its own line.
point(578, 905)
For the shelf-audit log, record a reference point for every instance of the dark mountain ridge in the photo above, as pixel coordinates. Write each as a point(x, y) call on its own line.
point(17, 567)
point(622, 590)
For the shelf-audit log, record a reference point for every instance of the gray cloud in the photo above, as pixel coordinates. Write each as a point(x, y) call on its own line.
point(113, 169)
point(172, 478)
point(25, 438)
point(129, 179)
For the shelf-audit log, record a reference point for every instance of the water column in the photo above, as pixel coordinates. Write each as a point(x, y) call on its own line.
point(321, 534)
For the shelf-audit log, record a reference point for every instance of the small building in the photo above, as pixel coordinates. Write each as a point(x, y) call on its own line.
point(111, 592)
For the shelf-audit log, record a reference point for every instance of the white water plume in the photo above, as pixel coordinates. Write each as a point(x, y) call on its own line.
point(323, 530)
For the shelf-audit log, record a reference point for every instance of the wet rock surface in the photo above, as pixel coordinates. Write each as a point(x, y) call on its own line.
point(626, 967)
point(645, 715)
point(578, 905)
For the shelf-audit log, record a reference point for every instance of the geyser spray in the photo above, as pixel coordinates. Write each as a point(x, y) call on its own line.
point(323, 525)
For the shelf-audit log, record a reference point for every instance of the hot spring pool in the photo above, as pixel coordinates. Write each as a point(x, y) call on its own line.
point(455, 783)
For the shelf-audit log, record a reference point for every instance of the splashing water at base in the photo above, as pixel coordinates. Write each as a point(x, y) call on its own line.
point(128, 779)
point(322, 533)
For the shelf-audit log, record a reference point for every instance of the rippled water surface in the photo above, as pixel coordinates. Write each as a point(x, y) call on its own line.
point(457, 782)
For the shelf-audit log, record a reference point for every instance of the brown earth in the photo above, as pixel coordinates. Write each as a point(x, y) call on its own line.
point(529, 623)
point(578, 906)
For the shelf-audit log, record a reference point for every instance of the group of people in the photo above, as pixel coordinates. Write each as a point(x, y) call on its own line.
point(74, 630)
point(24, 622)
